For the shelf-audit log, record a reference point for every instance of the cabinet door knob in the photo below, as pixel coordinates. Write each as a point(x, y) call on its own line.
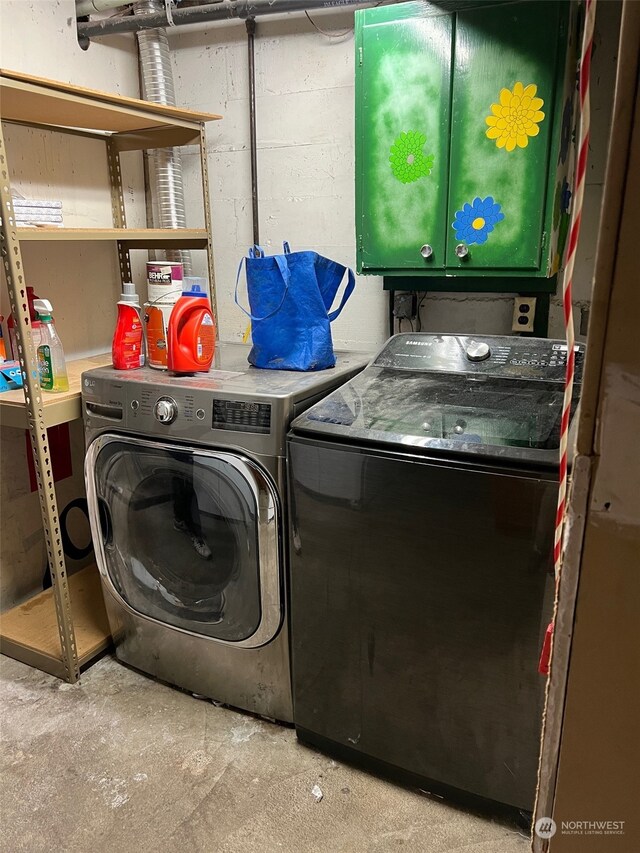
point(426, 251)
point(461, 250)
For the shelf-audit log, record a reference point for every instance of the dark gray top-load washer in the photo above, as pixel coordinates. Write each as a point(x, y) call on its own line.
point(423, 502)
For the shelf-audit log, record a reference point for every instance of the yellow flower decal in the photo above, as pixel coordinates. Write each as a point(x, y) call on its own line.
point(516, 117)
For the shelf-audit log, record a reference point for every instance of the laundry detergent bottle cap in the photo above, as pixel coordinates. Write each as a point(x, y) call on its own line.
point(191, 336)
point(129, 295)
point(194, 286)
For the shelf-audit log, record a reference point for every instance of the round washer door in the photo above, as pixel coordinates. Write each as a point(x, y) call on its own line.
point(187, 537)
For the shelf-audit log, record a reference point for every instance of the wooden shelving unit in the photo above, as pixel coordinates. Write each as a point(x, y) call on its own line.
point(62, 629)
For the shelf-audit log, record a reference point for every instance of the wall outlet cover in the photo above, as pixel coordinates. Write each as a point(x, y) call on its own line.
point(524, 312)
point(405, 306)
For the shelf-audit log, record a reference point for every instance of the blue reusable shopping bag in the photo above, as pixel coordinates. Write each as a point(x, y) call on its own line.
point(290, 297)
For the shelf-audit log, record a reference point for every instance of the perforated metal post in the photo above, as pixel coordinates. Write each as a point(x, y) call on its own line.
point(14, 271)
point(118, 214)
point(207, 223)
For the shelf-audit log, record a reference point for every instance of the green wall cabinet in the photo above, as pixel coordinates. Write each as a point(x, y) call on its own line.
point(462, 148)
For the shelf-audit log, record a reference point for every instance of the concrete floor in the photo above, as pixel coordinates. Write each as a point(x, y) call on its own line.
point(123, 763)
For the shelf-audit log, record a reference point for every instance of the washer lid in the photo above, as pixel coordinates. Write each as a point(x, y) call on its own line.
point(447, 395)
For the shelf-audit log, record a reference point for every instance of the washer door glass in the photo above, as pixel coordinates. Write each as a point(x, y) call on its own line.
point(188, 537)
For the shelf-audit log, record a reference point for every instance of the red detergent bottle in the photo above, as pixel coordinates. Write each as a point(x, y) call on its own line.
point(191, 336)
point(127, 349)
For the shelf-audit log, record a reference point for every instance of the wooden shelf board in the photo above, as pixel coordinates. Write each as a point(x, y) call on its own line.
point(59, 407)
point(26, 98)
point(165, 136)
point(29, 632)
point(142, 236)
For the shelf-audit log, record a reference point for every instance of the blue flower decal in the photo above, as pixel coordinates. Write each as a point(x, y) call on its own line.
point(476, 221)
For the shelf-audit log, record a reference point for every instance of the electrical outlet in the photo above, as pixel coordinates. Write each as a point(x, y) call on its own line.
point(405, 306)
point(524, 312)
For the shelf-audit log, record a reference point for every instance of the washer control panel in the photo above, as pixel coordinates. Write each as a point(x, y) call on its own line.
point(232, 415)
point(500, 356)
point(183, 413)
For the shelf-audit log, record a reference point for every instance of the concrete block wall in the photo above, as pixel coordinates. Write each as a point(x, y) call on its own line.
point(305, 119)
point(305, 116)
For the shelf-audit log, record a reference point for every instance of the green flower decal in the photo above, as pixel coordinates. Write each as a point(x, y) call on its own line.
point(408, 161)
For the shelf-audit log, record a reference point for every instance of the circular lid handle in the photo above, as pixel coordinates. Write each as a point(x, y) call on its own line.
point(426, 251)
point(461, 250)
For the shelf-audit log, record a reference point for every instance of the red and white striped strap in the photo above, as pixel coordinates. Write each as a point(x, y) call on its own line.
point(567, 289)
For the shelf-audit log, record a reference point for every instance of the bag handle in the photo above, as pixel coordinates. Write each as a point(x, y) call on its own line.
point(351, 283)
point(284, 272)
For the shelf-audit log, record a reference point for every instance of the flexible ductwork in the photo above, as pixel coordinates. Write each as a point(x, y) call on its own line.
point(166, 163)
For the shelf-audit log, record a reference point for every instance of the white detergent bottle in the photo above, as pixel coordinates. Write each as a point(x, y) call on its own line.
point(51, 364)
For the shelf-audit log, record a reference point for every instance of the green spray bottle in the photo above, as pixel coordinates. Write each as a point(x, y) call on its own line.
point(51, 364)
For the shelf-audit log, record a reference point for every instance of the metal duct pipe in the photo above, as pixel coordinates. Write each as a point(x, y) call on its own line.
point(241, 9)
point(157, 86)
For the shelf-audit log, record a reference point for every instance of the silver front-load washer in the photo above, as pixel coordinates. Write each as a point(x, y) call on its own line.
point(186, 488)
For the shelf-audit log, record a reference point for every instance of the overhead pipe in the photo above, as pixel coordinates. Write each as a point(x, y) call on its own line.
point(251, 31)
point(90, 7)
point(157, 87)
point(227, 9)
